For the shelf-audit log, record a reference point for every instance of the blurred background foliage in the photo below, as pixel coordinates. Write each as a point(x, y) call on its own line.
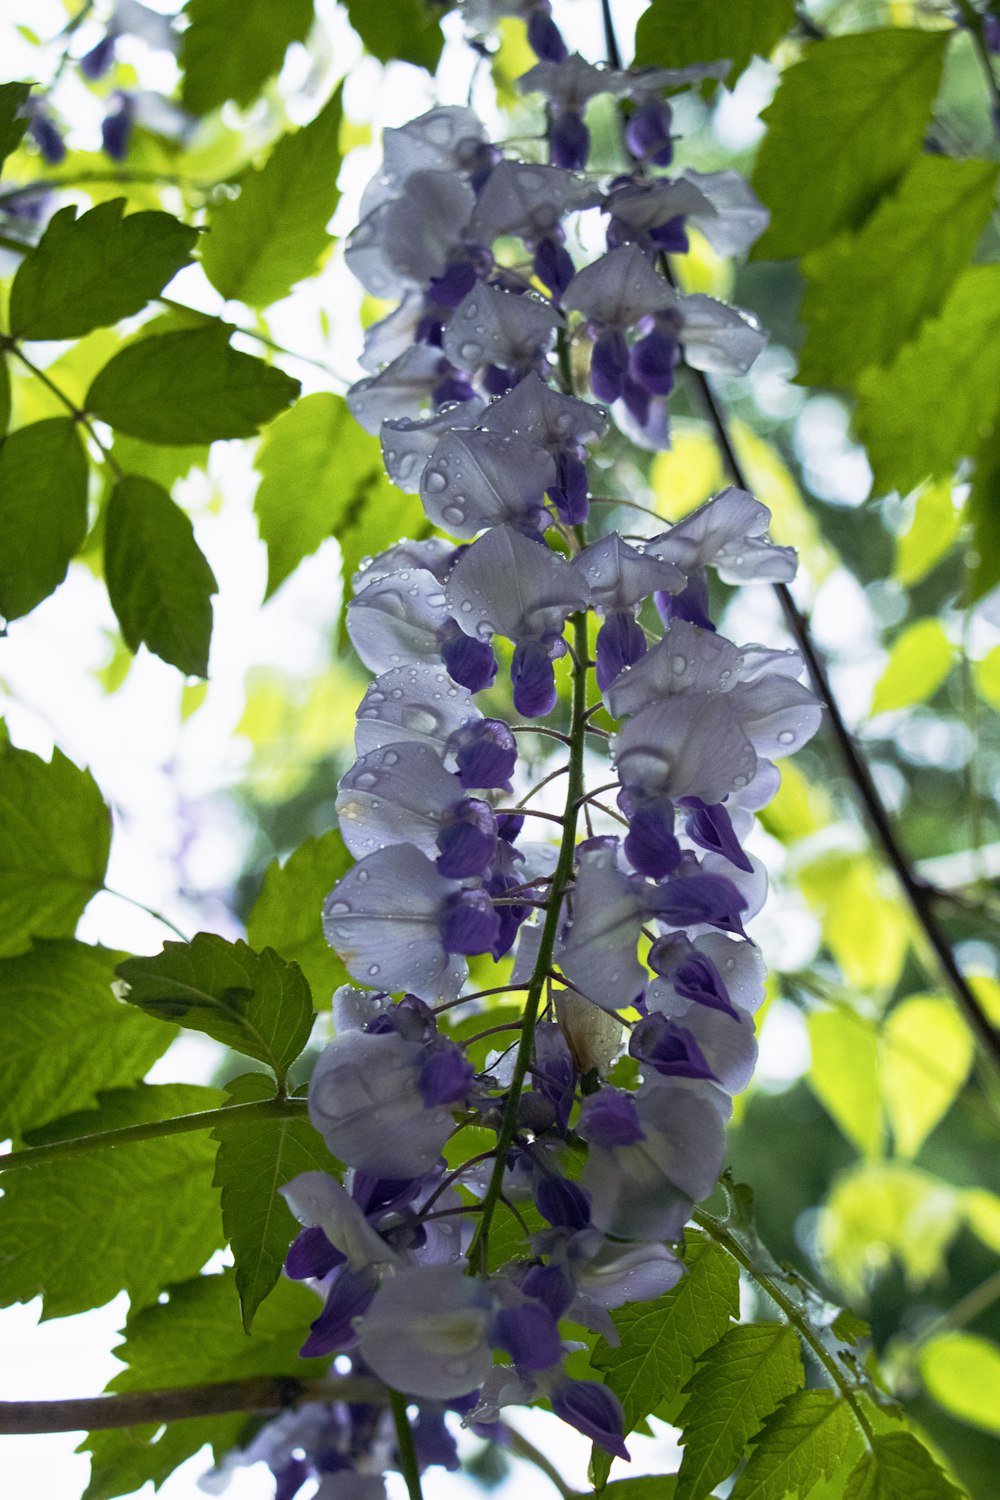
point(870, 1134)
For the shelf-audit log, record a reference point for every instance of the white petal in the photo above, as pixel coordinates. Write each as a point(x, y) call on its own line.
point(721, 339)
point(507, 584)
point(478, 479)
point(398, 794)
point(619, 288)
point(490, 326)
point(419, 703)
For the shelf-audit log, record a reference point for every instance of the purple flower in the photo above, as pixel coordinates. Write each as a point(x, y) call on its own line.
point(425, 1333)
point(593, 1410)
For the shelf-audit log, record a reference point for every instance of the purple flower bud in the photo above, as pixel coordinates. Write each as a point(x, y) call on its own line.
point(553, 1073)
point(290, 1479)
point(446, 1074)
point(469, 841)
point(691, 900)
point(533, 679)
point(620, 644)
point(456, 282)
point(311, 1254)
point(690, 604)
point(433, 1442)
point(469, 662)
point(451, 388)
point(671, 237)
point(693, 975)
point(98, 60)
point(647, 133)
point(569, 141)
point(47, 139)
point(650, 844)
point(530, 1334)
point(669, 1048)
point(652, 362)
point(710, 826)
point(509, 917)
point(486, 753)
point(565, 1204)
point(544, 37)
point(610, 1118)
point(553, 265)
point(116, 130)
point(593, 1410)
point(569, 493)
point(609, 363)
point(509, 825)
point(469, 923)
point(349, 1296)
point(550, 1286)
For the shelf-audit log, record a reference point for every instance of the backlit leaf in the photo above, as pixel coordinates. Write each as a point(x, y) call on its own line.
point(885, 1211)
point(124, 1218)
point(270, 237)
point(159, 582)
point(844, 125)
point(253, 1002)
point(927, 1051)
point(255, 1159)
point(674, 33)
point(55, 836)
point(96, 269)
point(898, 1467)
point(962, 1372)
point(844, 1075)
point(232, 47)
point(63, 1035)
point(929, 536)
point(738, 1382)
point(919, 661)
point(406, 29)
point(13, 97)
point(43, 511)
point(801, 1443)
point(287, 915)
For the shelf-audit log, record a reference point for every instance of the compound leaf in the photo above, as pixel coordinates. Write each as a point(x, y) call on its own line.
point(802, 1442)
point(43, 511)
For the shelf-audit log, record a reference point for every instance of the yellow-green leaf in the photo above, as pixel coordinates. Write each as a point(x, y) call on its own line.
point(962, 1372)
point(919, 661)
point(844, 1075)
point(929, 536)
point(884, 1211)
point(927, 1052)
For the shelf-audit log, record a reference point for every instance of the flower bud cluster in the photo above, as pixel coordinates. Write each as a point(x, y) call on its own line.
point(608, 1123)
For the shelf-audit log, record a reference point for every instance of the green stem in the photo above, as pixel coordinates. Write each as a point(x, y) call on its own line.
point(261, 338)
point(205, 1119)
point(479, 1249)
point(973, 21)
point(76, 412)
point(771, 1287)
point(520, 1446)
point(149, 910)
point(406, 1452)
point(80, 179)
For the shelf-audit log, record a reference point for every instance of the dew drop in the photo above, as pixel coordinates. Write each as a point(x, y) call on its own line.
point(678, 664)
point(434, 481)
point(466, 606)
point(454, 515)
point(339, 908)
point(374, 969)
point(397, 693)
point(471, 352)
point(366, 781)
point(390, 758)
point(786, 737)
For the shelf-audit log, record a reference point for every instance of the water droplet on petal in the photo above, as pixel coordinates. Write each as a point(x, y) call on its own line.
point(786, 737)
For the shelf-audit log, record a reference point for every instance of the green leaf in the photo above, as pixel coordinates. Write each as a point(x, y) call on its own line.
point(844, 125)
point(13, 97)
point(159, 582)
point(43, 511)
point(188, 387)
point(125, 1218)
point(232, 47)
point(674, 33)
point(858, 309)
point(938, 401)
point(929, 536)
point(255, 1159)
point(885, 1211)
point(738, 1382)
point(981, 1210)
point(864, 922)
point(800, 1444)
point(55, 837)
point(163, 465)
point(4, 395)
point(962, 1372)
point(63, 1036)
point(844, 1075)
point(927, 1051)
point(317, 468)
point(898, 1467)
point(643, 1487)
point(919, 661)
point(288, 913)
point(405, 29)
point(194, 1338)
point(94, 270)
point(273, 235)
point(983, 512)
point(661, 1340)
point(253, 1002)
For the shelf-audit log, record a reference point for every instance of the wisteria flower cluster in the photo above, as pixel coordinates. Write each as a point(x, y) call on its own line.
point(605, 1118)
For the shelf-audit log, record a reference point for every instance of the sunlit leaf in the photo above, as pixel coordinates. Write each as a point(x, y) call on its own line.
point(898, 1467)
point(800, 1444)
point(926, 1054)
point(406, 29)
point(673, 33)
point(929, 536)
point(844, 1075)
point(962, 1372)
point(274, 234)
point(982, 1214)
point(919, 661)
point(844, 125)
point(232, 47)
point(883, 1211)
point(864, 922)
point(287, 915)
point(55, 837)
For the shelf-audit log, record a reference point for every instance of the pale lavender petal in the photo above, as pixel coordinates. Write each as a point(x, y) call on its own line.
point(406, 240)
point(318, 1201)
point(688, 746)
point(718, 338)
point(408, 444)
point(727, 1043)
point(620, 577)
point(544, 416)
point(523, 199)
point(687, 660)
point(735, 218)
point(419, 703)
point(425, 1333)
point(492, 327)
point(398, 620)
point(478, 479)
point(399, 794)
point(618, 289)
point(433, 554)
point(628, 1273)
point(383, 918)
point(777, 714)
point(599, 954)
point(508, 584)
point(442, 140)
point(402, 389)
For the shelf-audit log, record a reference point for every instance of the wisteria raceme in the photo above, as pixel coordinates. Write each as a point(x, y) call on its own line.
point(626, 927)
